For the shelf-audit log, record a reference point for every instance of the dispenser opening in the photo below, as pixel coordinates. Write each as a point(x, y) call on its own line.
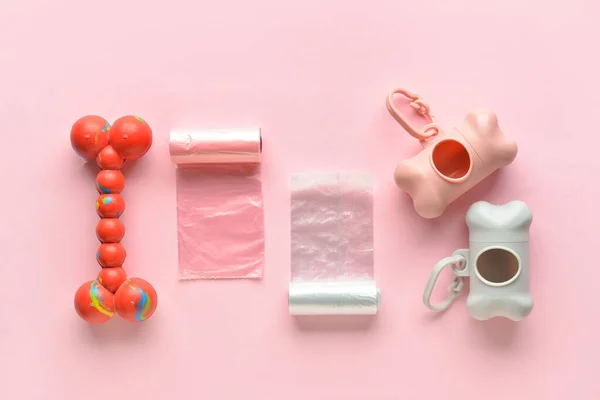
point(497, 266)
point(451, 160)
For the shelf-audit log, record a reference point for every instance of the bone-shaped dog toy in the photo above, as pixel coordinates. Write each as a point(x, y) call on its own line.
point(129, 138)
point(453, 161)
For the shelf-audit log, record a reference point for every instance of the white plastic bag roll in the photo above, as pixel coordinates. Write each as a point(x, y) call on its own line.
point(332, 246)
point(334, 298)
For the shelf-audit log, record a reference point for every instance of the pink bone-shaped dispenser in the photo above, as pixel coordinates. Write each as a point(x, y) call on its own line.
point(453, 161)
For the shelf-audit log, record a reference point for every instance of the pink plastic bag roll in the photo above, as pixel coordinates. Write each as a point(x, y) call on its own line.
point(220, 219)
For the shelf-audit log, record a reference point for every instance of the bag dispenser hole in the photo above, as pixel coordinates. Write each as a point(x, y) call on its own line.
point(497, 266)
point(451, 159)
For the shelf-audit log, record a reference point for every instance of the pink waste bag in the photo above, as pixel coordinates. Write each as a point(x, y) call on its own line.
point(220, 218)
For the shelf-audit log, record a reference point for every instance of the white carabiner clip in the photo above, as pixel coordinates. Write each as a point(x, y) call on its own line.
point(458, 263)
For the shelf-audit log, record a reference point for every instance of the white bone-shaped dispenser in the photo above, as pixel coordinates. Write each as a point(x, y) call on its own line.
point(497, 263)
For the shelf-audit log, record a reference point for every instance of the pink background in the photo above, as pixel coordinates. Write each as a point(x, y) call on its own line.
point(314, 75)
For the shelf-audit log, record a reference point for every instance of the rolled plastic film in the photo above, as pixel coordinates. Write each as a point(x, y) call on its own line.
point(334, 298)
point(216, 146)
point(332, 246)
point(220, 218)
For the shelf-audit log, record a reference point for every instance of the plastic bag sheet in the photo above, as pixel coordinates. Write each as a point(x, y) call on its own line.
point(332, 262)
point(220, 218)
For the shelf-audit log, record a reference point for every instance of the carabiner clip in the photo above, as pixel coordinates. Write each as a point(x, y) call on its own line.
point(429, 130)
point(457, 262)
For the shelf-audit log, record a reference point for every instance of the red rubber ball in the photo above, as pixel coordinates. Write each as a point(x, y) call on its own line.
point(108, 158)
point(131, 137)
point(111, 255)
point(110, 205)
point(94, 303)
point(89, 135)
point(112, 278)
point(135, 300)
point(110, 181)
point(110, 230)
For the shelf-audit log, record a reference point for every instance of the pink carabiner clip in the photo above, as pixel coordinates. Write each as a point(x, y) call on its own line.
point(430, 130)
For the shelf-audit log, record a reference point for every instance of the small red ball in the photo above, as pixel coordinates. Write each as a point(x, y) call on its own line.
point(110, 181)
point(94, 303)
point(110, 205)
point(111, 255)
point(110, 230)
point(135, 300)
point(112, 278)
point(131, 137)
point(89, 135)
point(108, 158)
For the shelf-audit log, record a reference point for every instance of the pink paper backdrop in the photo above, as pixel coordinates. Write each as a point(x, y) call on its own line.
point(314, 75)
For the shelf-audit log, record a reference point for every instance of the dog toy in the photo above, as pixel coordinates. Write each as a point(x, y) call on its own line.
point(94, 139)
